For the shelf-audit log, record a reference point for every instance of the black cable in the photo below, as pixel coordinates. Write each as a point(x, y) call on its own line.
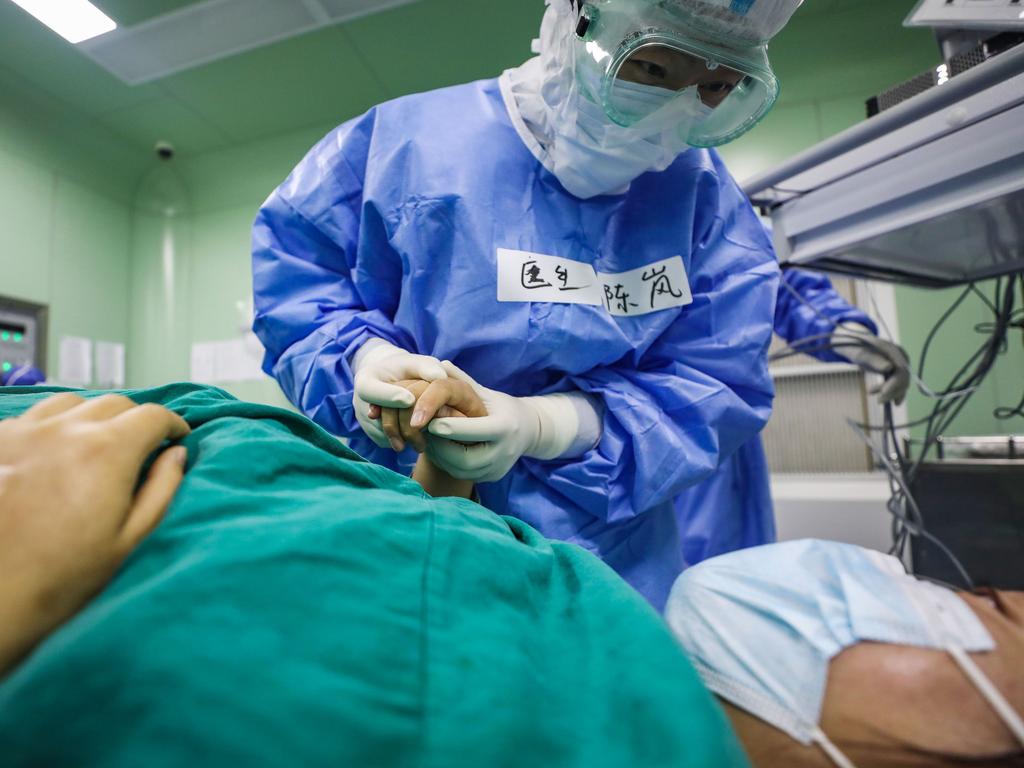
point(996, 342)
point(901, 468)
point(907, 518)
point(946, 411)
point(984, 298)
point(915, 523)
point(935, 329)
point(1003, 413)
point(1007, 412)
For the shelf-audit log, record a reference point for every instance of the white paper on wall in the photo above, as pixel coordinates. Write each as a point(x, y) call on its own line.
point(74, 365)
point(109, 365)
point(237, 362)
point(204, 363)
point(215, 362)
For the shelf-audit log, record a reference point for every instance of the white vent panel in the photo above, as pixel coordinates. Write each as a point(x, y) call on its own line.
point(216, 29)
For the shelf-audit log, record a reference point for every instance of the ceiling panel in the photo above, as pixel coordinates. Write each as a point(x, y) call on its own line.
point(127, 13)
point(80, 83)
point(166, 119)
point(44, 60)
point(48, 132)
point(326, 76)
point(335, 73)
point(435, 43)
point(311, 79)
point(22, 38)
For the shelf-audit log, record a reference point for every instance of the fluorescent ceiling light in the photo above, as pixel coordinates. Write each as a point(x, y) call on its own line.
point(74, 20)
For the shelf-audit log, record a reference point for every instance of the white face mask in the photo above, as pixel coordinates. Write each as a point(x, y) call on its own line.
point(665, 109)
point(598, 157)
point(573, 136)
point(762, 624)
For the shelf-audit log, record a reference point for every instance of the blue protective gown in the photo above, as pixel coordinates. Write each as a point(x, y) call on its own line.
point(22, 376)
point(713, 515)
point(389, 228)
point(821, 310)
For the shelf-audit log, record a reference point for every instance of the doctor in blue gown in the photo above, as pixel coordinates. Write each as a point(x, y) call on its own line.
point(565, 238)
point(712, 515)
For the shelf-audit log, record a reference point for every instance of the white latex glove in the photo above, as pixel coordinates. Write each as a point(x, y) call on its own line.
point(541, 427)
point(377, 365)
point(875, 355)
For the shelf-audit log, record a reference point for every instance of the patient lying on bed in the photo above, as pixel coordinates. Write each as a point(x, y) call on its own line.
point(862, 652)
point(299, 606)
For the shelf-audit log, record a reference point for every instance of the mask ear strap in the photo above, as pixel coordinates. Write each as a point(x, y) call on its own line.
point(830, 749)
point(991, 694)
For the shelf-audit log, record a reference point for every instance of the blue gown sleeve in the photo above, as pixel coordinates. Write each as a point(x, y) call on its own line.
point(810, 306)
point(676, 412)
point(310, 316)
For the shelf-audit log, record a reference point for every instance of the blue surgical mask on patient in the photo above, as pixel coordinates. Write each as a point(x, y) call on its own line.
point(762, 624)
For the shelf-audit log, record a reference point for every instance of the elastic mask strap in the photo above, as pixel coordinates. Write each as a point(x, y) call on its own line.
point(991, 694)
point(830, 749)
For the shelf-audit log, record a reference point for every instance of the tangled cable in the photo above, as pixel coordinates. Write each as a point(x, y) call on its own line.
point(949, 402)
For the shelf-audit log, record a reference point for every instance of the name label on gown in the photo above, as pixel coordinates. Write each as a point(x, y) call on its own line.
point(524, 276)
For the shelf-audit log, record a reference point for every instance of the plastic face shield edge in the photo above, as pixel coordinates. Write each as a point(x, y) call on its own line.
point(656, 68)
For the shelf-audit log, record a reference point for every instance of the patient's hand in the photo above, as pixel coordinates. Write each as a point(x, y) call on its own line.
point(444, 398)
point(69, 509)
point(435, 399)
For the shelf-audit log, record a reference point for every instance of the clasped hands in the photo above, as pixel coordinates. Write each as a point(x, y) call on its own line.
point(434, 402)
point(443, 398)
point(400, 399)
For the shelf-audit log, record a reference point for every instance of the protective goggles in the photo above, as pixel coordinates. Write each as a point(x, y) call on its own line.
point(653, 66)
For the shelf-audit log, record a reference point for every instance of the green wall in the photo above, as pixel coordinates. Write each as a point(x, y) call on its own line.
point(52, 134)
point(212, 270)
point(64, 218)
point(858, 49)
point(65, 246)
point(953, 346)
point(69, 184)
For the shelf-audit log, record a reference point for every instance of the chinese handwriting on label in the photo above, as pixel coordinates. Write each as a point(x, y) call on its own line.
point(660, 284)
point(616, 298)
point(563, 277)
point(533, 277)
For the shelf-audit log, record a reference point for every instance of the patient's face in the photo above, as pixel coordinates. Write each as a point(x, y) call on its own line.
point(894, 705)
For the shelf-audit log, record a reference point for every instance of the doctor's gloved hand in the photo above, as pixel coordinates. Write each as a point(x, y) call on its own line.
point(378, 367)
point(444, 398)
point(875, 355)
point(485, 448)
